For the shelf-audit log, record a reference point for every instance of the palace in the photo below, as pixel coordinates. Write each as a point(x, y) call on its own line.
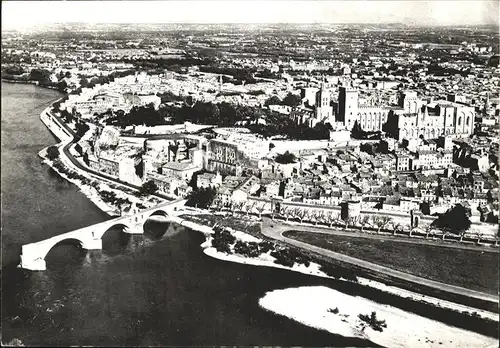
point(410, 119)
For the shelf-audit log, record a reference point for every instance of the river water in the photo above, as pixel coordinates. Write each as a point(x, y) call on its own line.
point(137, 291)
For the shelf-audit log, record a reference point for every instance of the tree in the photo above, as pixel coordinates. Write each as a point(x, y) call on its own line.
point(238, 205)
point(292, 100)
point(331, 218)
point(396, 227)
point(301, 214)
point(216, 204)
point(384, 221)
point(120, 202)
point(444, 235)
point(373, 322)
point(84, 83)
point(148, 188)
point(462, 235)
point(61, 86)
point(320, 216)
point(377, 221)
point(454, 220)
point(85, 158)
point(273, 100)
point(285, 158)
point(81, 129)
point(260, 208)
point(317, 216)
point(40, 75)
point(428, 230)
point(286, 212)
point(363, 221)
point(478, 235)
point(249, 207)
point(201, 197)
point(52, 152)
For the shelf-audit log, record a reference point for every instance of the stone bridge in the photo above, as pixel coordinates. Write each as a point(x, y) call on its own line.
point(89, 238)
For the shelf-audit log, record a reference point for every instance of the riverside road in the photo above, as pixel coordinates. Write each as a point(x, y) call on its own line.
point(77, 164)
point(275, 230)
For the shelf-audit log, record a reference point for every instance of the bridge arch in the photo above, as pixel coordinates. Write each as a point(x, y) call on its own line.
point(114, 240)
point(153, 229)
point(100, 233)
point(160, 212)
point(79, 243)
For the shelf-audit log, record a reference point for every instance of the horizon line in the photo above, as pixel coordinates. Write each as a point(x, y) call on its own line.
point(261, 23)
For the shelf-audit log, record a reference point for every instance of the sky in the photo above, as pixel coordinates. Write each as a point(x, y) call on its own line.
point(21, 14)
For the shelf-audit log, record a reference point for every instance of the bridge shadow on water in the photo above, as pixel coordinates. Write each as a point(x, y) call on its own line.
point(115, 241)
point(156, 230)
point(158, 227)
point(67, 253)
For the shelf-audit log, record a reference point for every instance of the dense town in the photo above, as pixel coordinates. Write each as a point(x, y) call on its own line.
point(281, 173)
point(313, 126)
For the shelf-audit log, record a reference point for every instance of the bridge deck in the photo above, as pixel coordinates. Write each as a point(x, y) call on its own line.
point(88, 229)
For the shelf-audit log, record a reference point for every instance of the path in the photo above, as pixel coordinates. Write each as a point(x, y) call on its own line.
point(273, 229)
point(382, 236)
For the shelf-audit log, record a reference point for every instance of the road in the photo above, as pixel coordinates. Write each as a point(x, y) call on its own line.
point(384, 236)
point(78, 165)
point(274, 230)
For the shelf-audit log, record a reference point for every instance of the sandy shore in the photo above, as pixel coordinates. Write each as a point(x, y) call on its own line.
point(310, 305)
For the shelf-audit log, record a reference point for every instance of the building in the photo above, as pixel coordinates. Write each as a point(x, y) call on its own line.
point(348, 106)
point(180, 170)
point(225, 191)
point(248, 187)
point(272, 189)
point(165, 184)
point(403, 161)
point(410, 119)
point(119, 165)
point(208, 180)
point(441, 118)
point(323, 106)
point(142, 100)
point(407, 204)
point(224, 157)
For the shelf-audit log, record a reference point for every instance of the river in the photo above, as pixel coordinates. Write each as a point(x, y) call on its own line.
point(157, 289)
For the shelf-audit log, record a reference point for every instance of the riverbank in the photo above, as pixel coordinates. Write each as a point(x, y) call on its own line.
point(314, 269)
point(327, 309)
point(28, 82)
point(95, 189)
point(92, 188)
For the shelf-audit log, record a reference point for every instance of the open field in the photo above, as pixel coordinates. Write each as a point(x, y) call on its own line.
point(474, 270)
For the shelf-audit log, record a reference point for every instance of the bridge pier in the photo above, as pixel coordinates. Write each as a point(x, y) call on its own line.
point(92, 244)
point(37, 264)
point(137, 228)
